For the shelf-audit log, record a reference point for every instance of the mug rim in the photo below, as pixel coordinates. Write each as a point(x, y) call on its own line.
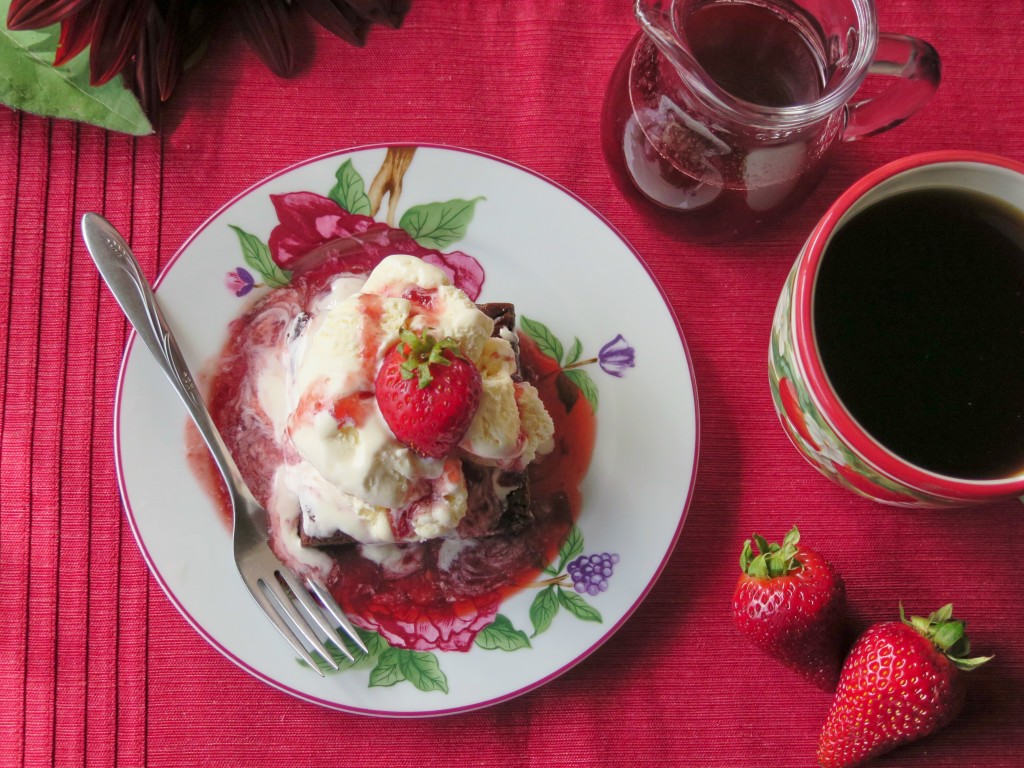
point(829, 404)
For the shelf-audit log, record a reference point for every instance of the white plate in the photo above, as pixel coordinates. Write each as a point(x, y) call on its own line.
point(559, 262)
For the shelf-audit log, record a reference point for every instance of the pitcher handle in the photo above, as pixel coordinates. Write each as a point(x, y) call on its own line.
point(916, 64)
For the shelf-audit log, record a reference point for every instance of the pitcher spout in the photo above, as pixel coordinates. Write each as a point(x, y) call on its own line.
point(658, 23)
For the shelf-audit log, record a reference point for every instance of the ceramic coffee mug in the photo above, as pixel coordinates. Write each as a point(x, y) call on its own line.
point(897, 350)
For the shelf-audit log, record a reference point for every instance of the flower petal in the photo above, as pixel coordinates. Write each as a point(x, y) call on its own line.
point(75, 35)
point(168, 57)
point(616, 357)
point(395, 11)
point(144, 81)
point(266, 25)
point(298, 212)
point(337, 17)
point(35, 14)
point(371, 10)
point(464, 271)
point(119, 25)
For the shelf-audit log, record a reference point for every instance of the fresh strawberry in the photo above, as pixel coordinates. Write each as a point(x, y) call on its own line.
point(428, 393)
point(792, 604)
point(900, 682)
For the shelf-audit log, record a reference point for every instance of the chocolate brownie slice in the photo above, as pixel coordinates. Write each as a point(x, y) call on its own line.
point(498, 499)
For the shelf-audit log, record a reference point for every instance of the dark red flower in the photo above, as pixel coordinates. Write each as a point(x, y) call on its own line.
point(149, 41)
point(308, 221)
point(414, 604)
point(314, 231)
point(438, 627)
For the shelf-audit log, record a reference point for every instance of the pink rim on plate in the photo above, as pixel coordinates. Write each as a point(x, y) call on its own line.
point(818, 385)
point(179, 603)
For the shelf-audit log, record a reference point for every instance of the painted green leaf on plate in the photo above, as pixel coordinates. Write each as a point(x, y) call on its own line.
point(257, 255)
point(349, 190)
point(571, 547)
point(543, 609)
point(422, 670)
point(583, 380)
point(502, 635)
point(388, 670)
point(438, 225)
point(574, 351)
point(577, 606)
point(546, 341)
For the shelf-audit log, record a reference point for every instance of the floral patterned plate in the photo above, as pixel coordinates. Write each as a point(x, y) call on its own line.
point(582, 295)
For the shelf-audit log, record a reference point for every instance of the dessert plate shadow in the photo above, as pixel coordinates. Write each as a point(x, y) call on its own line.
point(566, 269)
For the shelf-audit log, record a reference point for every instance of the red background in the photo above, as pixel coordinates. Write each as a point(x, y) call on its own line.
point(97, 667)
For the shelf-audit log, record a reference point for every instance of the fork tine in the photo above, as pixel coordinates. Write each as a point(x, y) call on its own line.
point(264, 602)
point(283, 599)
point(314, 612)
point(329, 605)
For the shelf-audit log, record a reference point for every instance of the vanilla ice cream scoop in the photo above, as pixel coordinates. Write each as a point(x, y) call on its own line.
point(348, 472)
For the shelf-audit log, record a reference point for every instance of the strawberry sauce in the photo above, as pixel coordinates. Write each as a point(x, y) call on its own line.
point(434, 595)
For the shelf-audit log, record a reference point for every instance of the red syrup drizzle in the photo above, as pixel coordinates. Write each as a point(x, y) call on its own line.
point(417, 601)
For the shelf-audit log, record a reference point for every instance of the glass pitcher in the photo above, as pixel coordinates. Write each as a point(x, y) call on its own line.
point(722, 113)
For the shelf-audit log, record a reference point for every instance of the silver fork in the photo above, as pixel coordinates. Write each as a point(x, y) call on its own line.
point(271, 584)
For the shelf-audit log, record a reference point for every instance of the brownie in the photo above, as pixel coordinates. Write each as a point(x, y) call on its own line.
point(489, 512)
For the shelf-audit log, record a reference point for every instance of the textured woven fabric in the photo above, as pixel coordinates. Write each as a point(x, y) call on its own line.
point(97, 668)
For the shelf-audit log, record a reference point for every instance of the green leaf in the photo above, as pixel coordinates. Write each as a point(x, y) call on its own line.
point(30, 82)
point(572, 546)
point(422, 670)
point(574, 351)
point(374, 643)
point(350, 190)
point(582, 379)
point(746, 556)
point(543, 610)
point(257, 255)
point(360, 659)
point(388, 670)
point(546, 341)
point(438, 225)
point(577, 606)
point(501, 635)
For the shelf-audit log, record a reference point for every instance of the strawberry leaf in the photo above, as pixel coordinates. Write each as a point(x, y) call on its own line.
point(438, 225)
point(349, 190)
point(746, 556)
point(772, 559)
point(949, 635)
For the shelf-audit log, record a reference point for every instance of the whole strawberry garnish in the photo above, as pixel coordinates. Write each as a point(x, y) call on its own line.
point(792, 604)
point(428, 393)
point(900, 682)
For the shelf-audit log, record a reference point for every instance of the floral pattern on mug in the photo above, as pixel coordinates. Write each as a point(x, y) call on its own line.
point(806, 425)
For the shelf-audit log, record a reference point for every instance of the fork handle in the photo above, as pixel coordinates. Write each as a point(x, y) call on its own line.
point(123, 275)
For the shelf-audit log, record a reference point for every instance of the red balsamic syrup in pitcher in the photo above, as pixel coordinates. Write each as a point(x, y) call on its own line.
point(690, 182)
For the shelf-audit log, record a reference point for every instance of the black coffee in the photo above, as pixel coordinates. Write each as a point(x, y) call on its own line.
point(919, 319)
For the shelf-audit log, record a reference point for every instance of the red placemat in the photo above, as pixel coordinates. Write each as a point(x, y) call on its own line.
point(96, 666)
